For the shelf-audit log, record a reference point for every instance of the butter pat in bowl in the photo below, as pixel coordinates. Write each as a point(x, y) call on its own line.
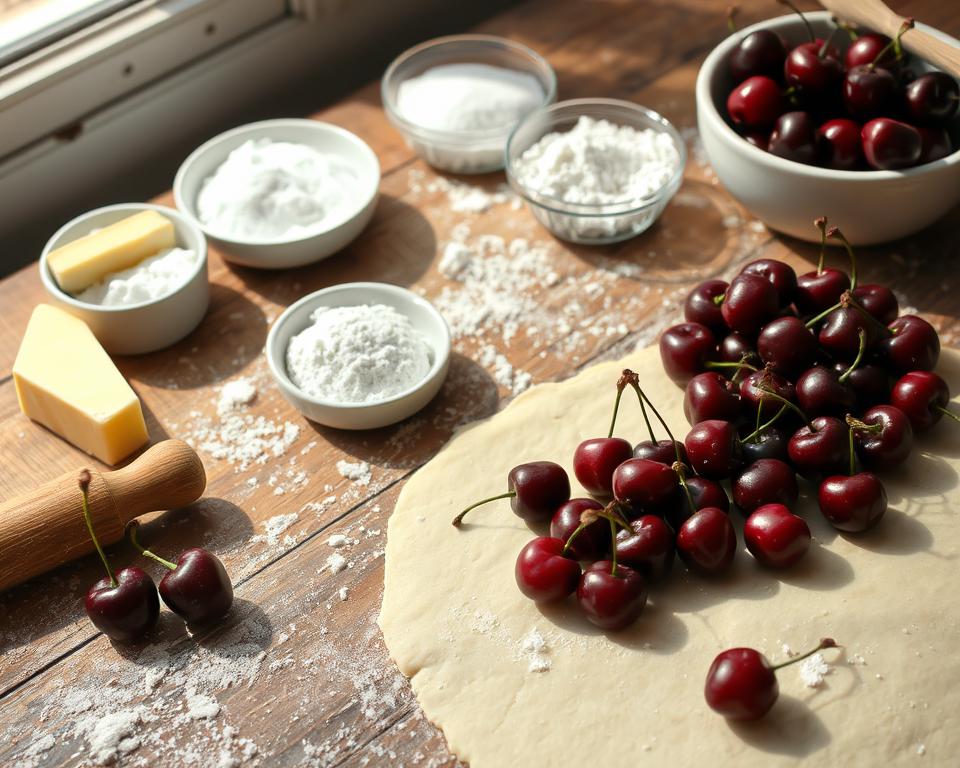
point(359, 355)
point(135, 273)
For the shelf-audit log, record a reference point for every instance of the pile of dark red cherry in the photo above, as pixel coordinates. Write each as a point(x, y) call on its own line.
point(871, 108)
point(815, 375)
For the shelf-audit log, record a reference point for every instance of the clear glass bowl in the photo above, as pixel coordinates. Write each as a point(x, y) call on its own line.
point(593, 224)
point(461, 151)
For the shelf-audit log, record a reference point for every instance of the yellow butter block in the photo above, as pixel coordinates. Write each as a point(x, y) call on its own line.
point(67, 382)
point(122, 245)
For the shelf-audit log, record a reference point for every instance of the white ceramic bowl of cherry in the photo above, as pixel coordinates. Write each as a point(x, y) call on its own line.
point(869, 206)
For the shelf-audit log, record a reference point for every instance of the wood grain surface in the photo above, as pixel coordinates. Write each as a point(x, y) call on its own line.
point(298, 675)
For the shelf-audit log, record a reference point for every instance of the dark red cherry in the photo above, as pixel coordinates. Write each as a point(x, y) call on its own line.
point(705, 493)
point(817, 292)
point(813, 68)
point(771, 443)
point(775, 536)
point(648, 548)
point(755, 103)
point(199, 589)
point(787, 346)
point(713, 449)
point(760, 53)
point(685, 350)
point(767, 481)
point(821, 393)
point(840, 333)
point(706, 541)
point(889, 144)
point(535, 490)
point(611, 601)
point(931, 99)
point(736, 348)
point(869, 383)
point(593, 542)
point(127, 610)
point(922, 396)
point(838, 144)
point(741, 685)
point(879, 301)
point(865, 49)
point(824, 449)
point(750, 303)
point(701, 305)
point(595, 460)
point(645, 486)
point(794, 137)
point(752, 396)
point(887, 440)
point(869, 91)
point(852, 503)
point(543, 573)
point(935, 144)
point(759, 139)
point(711, 396)
point(665, 451)
point(912, 346)
point(781, 275)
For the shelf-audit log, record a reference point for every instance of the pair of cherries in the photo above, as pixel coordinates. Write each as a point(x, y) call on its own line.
point(125, 605)
point(864, 110)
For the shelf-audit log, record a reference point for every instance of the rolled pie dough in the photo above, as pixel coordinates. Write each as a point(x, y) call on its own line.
point(512, 683)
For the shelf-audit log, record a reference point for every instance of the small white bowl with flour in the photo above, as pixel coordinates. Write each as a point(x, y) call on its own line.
point(147, 307)
point(596, 171)
point(280, 193)
point(456, 99)
point(359, 355)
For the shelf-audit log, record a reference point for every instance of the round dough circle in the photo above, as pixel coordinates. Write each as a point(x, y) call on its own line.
point(512, 683)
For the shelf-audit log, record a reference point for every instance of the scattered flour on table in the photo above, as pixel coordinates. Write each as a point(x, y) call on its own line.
point(358, 472)
point(461, 197)
point(813, 669)
point(236, 394)
point(275, 526)
point(336, 563)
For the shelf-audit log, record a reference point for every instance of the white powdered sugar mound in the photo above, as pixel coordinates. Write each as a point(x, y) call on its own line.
point(534, 648)
point(114, 734)
point(236, 394)
point(358, 472)
point(599, 163)
point(813, 669)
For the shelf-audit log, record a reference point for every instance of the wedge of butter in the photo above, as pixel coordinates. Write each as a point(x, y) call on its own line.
point(67, 382)
point(78, 265)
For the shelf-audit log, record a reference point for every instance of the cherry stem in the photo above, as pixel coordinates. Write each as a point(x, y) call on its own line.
point(827, 642)
point(629, 378)
point(134, 527)
point(574, 535)
point(862, 426)
point(893, 44)
point(848, 300)
point(732, 11)
point(744, 365)
point(643, 397)
point(851, 32)
point(817, 318)
point(821, 223)
point(761, 428)
point(613, 547)
point(616, 407)
point(853, 452)
point(718, 299)
point(803, 18)
point(681, 478)
point(835, 233)
point(459, 518)
point(826, 43)
point(787, 404)
point(84, 483)
point(856, 361)
point(945, 412)
point(740, 366)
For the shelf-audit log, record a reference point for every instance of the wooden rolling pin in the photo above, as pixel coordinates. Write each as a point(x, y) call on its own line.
point(45, 528)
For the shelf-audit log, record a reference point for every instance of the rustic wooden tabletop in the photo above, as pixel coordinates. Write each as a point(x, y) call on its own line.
point(299, 674)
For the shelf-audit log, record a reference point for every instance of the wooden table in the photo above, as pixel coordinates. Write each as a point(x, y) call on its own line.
point(299, 674)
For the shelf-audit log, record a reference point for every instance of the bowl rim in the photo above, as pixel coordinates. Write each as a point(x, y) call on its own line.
point(711, 69)
point(454, 139)
point(310, 233)
point(594, 210)
point(50, 282)
point(276, 358)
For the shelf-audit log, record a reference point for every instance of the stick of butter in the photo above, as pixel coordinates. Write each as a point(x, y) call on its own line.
point(122, 245)
point(67, 382)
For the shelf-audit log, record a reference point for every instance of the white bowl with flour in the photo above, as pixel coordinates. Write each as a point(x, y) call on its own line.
point(280, 193)
point(359, 355)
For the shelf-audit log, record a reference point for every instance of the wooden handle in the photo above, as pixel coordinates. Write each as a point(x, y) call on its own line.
point(876, 15)
point(45, 528)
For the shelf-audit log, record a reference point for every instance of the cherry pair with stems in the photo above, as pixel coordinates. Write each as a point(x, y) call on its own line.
point(125, 605)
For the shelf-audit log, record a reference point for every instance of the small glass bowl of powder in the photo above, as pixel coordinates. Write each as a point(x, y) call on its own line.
point(456, 99)
point(596, 171)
